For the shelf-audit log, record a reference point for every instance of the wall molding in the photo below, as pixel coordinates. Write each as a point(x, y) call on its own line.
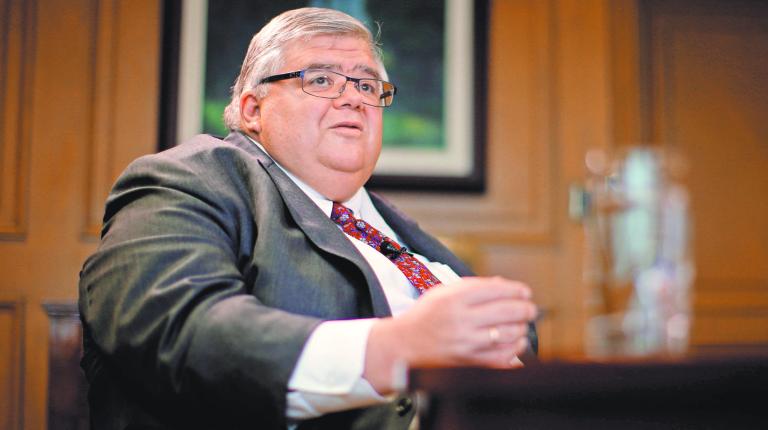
point(100, 150)
point(17, 53)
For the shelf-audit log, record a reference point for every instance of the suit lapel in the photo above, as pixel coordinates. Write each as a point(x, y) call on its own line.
point(315, 224)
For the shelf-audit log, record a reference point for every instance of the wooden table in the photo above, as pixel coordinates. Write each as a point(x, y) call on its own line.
point(712, 393)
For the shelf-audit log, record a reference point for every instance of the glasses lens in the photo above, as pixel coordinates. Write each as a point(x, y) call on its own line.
point(387, 94)
point(328, 84)
point(322, 83)
point(371, 90)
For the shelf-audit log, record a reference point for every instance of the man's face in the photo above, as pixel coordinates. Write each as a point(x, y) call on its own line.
point(331, 144)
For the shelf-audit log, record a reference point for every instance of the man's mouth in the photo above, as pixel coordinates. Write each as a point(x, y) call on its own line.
point(348, 125)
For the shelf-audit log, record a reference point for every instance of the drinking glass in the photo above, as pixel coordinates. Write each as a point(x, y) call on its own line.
point(638, 266)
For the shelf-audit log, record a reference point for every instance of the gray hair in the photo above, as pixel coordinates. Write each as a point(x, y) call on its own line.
point(265, 52)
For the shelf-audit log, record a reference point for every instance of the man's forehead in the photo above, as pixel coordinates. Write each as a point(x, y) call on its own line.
point(345, 54)
point(359, 70)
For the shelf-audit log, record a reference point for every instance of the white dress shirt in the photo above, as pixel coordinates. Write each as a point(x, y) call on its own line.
point(329, 374)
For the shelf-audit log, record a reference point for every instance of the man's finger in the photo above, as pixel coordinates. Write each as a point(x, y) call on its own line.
point(479, 290)
point(493, 336)
point(501, 312)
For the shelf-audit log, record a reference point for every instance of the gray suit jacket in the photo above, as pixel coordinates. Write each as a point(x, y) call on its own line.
point(213, 270)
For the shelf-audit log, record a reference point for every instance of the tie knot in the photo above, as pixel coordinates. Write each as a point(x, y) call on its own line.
point(345, 217)
point(341, 214)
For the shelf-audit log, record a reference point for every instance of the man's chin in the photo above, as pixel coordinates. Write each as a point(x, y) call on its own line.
point(352, 164)
point(340, 185)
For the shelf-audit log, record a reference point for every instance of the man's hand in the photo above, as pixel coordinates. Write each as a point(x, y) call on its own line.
point(473, 322)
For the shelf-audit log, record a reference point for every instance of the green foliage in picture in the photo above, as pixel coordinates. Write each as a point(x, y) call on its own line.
point(405, 130)
point(213, 110)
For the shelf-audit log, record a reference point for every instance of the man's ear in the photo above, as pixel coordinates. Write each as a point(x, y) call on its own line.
point(250, 112)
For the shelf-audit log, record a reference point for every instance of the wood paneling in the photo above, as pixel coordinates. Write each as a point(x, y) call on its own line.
point(87, 107)
point(710, 99)
point(584, 64)
point(102, 138)
point(629, 98)
point(11, 363)
point(124, 94)
point(16, 77)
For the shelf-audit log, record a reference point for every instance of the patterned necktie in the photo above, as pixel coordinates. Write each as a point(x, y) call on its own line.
point(413, 269)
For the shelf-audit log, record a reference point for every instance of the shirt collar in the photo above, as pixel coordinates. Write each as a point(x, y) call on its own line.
point(357, 203)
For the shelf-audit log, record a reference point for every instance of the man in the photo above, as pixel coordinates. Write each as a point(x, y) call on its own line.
point(234, 288)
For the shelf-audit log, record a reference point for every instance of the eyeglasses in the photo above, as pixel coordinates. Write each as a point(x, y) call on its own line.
point(329, 85)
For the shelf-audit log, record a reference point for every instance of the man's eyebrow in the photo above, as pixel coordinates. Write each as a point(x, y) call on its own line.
point(336, 68)
point(365, 69)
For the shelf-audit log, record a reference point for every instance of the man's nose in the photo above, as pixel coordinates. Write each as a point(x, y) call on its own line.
point(350, 96)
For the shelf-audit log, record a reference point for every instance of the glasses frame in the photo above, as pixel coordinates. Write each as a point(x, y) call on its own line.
point(356, 81)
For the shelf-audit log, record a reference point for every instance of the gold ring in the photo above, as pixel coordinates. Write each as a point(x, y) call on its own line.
point(494, 335)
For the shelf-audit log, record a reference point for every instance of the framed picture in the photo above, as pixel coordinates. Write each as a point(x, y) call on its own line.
point(435, 53)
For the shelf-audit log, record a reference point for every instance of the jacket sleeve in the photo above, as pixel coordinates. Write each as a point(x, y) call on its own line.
point(165, 300)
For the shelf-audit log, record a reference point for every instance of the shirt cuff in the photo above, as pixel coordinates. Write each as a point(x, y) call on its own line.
point(304, 405)
point(329, 374)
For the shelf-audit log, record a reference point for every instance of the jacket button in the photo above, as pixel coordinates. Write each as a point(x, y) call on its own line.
point(404, 406)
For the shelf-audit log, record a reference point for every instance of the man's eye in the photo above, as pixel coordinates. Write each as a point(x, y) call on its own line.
point(321, 81)
point(367, 88)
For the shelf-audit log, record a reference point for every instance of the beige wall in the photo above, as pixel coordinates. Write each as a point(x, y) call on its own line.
point(79, 101)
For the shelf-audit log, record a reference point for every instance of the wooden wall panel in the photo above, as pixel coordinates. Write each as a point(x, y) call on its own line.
point(102, 139)
point(584, 81)
point(11, 364)
point(629, 97)
point(710, 99)
point(89, 107)
point(125, 93)
point(16, 78)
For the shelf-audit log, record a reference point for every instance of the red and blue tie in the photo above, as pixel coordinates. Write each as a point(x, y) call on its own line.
point(413, 269)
